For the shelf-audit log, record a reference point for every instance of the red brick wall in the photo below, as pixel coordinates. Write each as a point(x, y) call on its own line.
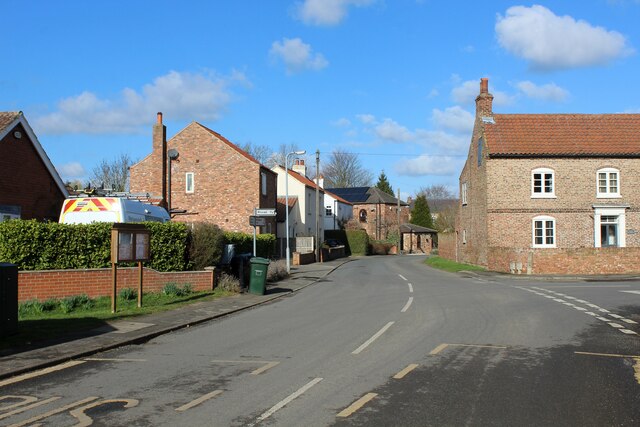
point(387, 214)
point(227, 185)
point(25, 181)
point(42, 285)
point(580, 261)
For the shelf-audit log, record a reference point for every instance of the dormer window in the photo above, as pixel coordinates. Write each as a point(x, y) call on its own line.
point(543, 183)
point(608, 183)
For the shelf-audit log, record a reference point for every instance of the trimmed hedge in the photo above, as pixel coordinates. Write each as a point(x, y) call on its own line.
point(356, 241)
point(265, 243)
point(33, 245)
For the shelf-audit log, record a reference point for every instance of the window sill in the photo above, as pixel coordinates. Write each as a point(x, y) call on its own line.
point(544, 196)
point(608, 196)
point(543, 246)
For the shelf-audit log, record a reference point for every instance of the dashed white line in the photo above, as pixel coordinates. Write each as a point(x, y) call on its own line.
point(410, 287)
point(616, 316)
point(402, 277)
point(616, 325)
point(629, 321)
point(407, 305)
point(275, 408)
point(373, 338)
point(628, 331)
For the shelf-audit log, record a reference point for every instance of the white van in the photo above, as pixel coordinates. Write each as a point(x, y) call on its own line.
point(85, 210)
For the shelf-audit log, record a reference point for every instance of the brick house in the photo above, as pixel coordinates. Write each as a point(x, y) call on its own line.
point(30, 187)
point(212, 180)
point(550, 193)
point(375, 210)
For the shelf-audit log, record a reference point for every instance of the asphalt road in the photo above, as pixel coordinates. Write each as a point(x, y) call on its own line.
point(381, 341)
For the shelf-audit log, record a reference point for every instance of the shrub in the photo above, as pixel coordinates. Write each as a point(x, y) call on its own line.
point(380, 248)
point(173, 289)
point(50, 304)
point(358, 242)
point(277, 270)
point(265, 243)
point(128, 294)
point(205, 245)
point(31, 306)
point(69, 304)
point(228, 283)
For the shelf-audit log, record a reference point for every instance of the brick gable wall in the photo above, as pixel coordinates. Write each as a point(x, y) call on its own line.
point(387, 214)
point(227, 185)
point(25, 181)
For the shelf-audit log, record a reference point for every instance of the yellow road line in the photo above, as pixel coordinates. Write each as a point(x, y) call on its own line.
point(405, 371)
point(607, 354)
point(26, 408)
point(636, 368)
point(264, 368)
point(54, 412)
point(356, 405)
point(106, 359)
point(480, 346)
point(41, 372)
point(438, 349)
point(199, 400)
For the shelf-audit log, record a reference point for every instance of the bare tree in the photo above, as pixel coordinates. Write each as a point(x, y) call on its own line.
point(112, 174)
point(436, 191)
point(279, 157)
point(261, 153)
point(344, 170)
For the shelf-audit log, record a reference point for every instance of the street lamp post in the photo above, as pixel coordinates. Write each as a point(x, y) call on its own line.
point(286, 202)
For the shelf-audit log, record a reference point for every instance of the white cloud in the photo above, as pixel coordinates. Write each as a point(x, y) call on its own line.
point(453, 118)
point(438, 138)
point(428, 165)
point(342, 122)
point(178, 95)
point(552, 42)
point(366, 118)
point(297, 56)
point(71, 171)
point(467, 92)
point(326, 12)
point(547, 92)
point(390, 130)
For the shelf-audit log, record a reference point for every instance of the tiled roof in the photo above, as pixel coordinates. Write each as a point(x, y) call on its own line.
point(303, 179)
point(6, 118)
point(563, 135)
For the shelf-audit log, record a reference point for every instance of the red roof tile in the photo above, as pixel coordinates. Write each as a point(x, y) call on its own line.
point(6, 118)
point(563, 135)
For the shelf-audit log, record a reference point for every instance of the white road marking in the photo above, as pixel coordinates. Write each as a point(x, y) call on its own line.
point(356, 405)
point(199, 400)
point(288, 400)
point(54, 412)
point(629, 321)
point(631, 292)
point(106, 359)
point(26, 408)
point(581, 301)
point(405, 371)
point(590, 313)
point(615, 316)
point(41, 372)
point(604, 310)
point(628, 331)
point(410, 287)
point(593, 306)
point(264, 368)
point(402, 277)
point(373, 338)
point(604, 319)
point(616, 325)
point(407, 305)
point(559, 300)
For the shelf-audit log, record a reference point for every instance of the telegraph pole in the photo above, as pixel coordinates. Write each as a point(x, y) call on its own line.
point(317, 205)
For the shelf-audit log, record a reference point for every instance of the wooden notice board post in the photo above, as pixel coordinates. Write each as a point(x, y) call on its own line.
point(129, 243)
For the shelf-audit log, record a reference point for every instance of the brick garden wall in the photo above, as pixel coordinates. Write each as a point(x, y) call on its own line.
point(447, 246)
point(97, 282)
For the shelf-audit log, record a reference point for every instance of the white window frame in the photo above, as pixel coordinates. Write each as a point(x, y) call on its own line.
point(544, 219)
point(189, 177)
point(608, 211)
point(608, 194)
point(543, 194)
point(463, 193)
point(263, 183)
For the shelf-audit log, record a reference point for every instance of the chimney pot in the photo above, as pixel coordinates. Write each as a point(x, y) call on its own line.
point(484, 85)
point(159, 118)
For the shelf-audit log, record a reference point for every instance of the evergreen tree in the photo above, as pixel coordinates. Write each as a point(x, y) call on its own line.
point(383, 183)
point(421, 214)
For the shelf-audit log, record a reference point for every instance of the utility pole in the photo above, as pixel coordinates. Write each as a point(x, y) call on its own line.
point(399, 235)
point(317, 205)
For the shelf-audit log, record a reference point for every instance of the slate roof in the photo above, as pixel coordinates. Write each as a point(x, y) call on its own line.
point(549, 135)
point(365, 195)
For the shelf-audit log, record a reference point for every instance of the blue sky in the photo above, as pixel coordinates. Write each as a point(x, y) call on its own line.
point(391, 80)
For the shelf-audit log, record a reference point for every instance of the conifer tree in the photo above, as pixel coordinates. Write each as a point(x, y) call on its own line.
point(383, 183)
point(421, 214)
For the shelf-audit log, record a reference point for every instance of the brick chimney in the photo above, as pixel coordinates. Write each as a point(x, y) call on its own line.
point(484, 101)
point(160, 154)
point(299, 166)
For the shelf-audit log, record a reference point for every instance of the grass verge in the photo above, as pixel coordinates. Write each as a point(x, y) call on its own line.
point(451, 266)
point(37, 329)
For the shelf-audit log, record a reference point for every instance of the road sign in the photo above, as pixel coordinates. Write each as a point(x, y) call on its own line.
point(265, 212)
point(257, 221)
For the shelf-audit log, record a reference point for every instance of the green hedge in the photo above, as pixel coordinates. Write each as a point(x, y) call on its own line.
point(265, 243)
point(33, 245)
point(356, 241)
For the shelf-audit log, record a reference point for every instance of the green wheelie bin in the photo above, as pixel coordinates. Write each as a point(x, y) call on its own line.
point(258, 281)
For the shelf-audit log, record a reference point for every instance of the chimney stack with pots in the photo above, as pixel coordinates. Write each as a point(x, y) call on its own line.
point(298, 166)
point(484, 101)
point(160, 151)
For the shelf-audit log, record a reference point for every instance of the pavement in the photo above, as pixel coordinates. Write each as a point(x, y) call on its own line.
point(140, 329)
